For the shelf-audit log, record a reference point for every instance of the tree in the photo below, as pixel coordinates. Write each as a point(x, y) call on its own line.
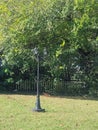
point(85, 33)
point(68, 29)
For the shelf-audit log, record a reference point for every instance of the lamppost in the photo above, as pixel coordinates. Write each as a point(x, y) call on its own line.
point(37, 104)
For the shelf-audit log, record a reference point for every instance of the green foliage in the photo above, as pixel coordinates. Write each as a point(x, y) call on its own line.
point(68, 29)
point(85, 38)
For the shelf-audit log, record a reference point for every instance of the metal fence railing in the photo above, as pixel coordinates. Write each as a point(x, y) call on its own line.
point(52, 87)
point(25, 85)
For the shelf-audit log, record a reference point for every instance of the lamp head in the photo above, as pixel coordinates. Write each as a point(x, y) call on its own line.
point(45, 51)
point(35, 51)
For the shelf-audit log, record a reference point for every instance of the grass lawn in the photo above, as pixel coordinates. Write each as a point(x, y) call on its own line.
point(62, 113)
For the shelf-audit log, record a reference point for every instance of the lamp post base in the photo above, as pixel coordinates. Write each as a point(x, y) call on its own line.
point(37, 105)
point(38, 110)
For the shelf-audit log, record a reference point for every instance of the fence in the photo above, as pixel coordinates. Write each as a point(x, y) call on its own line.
point(52, 87)
point(25, 85)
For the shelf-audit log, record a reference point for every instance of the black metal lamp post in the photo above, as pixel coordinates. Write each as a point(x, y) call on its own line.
point(38, 105)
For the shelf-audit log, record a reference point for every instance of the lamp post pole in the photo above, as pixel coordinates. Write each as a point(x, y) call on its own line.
point(37, 105)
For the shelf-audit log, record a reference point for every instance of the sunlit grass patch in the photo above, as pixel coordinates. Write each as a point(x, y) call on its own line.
point(65, 113)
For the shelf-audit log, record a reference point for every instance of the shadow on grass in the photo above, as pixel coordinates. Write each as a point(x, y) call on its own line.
point(83, 97)
point(16, 93)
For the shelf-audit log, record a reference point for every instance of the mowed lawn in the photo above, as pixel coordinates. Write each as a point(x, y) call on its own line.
point(62, 113)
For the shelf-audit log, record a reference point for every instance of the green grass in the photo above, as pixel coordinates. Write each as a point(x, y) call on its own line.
point(62, 113)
